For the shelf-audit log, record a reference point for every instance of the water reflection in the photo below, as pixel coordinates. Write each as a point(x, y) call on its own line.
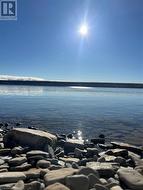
point(21, 90)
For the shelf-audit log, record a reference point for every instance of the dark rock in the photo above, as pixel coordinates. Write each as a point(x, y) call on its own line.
point(17, 161)
point(102, 136)
point(22, 167)
point(131, 178)
point(98, 141)
point(70, 136)
point(5, 151)
point(75, 182)
point(132, 148)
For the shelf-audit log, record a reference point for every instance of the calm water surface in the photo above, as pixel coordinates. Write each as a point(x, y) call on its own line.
point(118, 113)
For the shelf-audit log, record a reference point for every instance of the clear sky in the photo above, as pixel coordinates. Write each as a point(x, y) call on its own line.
point(45, 41)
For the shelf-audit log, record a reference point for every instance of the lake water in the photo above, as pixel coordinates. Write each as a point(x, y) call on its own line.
point(117, 113)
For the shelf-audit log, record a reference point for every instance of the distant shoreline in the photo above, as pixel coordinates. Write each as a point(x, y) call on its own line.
point(64, 84)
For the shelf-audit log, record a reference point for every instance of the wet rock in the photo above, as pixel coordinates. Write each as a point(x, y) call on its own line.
point(118, 152)
point(131, 178)
point(19, 185)
point(132, 148)
point(35, 139)
point(17, 161)
point(77, 182)
point(79, 153)
point(104, 169)
point(136, 159)
point(57, 186)
point(91, 152)
point(71, 144)
point(58, 175)
point(43, 164)
point(11, 177)
point(98, 141)
point(106, 146)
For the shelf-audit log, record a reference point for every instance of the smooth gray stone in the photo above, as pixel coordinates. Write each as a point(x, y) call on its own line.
point(77, 182)
point(131, 178)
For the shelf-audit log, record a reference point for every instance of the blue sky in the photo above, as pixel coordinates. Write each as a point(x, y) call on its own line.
point(44, 41)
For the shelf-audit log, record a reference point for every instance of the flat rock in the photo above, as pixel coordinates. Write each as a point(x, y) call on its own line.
point(11, 177)
point(131, 178)
point(22, 167)
point(132, 148)
point(35, 139)
point(57, 186)
point(77, 182)
point(17, 161)
point(104, 169)
point(69, 159)
point(39, 153)
point(58, 175)
point(118, 152)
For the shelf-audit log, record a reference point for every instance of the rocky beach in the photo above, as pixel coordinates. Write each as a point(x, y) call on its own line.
point(32, 159)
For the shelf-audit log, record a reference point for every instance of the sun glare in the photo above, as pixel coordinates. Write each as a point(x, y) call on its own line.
point(83, 30)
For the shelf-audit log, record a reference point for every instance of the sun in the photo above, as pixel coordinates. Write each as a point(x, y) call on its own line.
point(83, 30)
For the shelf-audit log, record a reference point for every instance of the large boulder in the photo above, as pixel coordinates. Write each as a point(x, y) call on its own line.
point(35, 139)
point(131, 178)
